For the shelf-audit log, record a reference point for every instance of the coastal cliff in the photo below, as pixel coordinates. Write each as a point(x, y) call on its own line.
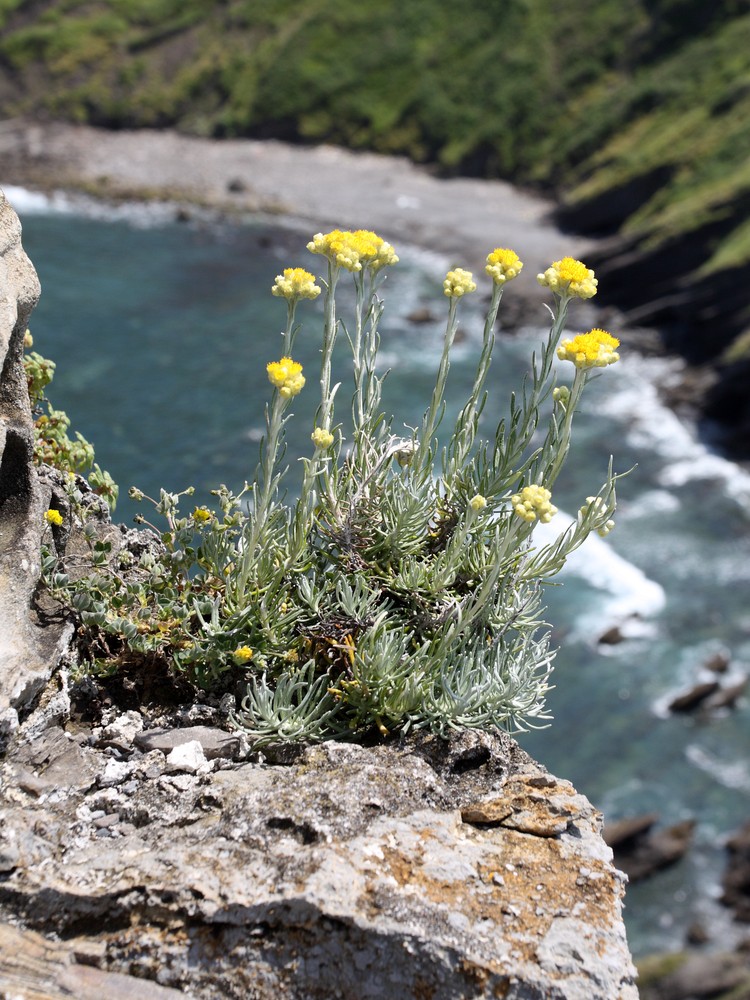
point(146, 851)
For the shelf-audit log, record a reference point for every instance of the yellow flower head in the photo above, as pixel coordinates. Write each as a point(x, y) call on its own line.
point(353, 250)
point(53, 517)
point(595, 349)
point(533, 503)
point(201, 515)
point(322, 438)
point(478, 502)
point(503, 265)
point(287, 376)
point(243, 654)
point(458, 282)
point(569, 277)
point(295, 283)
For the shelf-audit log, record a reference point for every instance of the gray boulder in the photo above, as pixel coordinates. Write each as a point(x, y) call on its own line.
point(424, 867)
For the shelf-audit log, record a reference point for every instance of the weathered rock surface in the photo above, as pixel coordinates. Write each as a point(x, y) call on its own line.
point(424, 868)
point(28, 652)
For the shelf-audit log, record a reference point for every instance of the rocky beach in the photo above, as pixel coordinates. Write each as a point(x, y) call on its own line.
point(325, 187)
point(321, 187)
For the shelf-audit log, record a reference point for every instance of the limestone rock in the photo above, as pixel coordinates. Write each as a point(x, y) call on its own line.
point(425, 867)
point(214, 742)
point(28, 653)
point(37, 969)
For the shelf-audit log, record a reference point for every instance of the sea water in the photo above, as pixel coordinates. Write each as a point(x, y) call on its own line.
point(161, 330)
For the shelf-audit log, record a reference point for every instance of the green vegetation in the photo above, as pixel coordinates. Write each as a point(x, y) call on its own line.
point(402, 588)
point(638, 107)
point(52, 444)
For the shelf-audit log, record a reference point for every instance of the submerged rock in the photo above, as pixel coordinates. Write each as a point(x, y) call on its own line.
point(736, 881)
point(640, 850)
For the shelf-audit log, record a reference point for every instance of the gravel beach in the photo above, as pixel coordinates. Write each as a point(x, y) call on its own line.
point(321, 187)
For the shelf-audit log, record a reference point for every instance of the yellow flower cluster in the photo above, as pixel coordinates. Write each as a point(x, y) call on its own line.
point(569, 277)
point(243, 654)
point(354, 250)
point(53, 517)
point(503, 265)
point(598, 506)
point(287, 376)
point(458, 282)
point(322, 438)
point(533, 503)
point(295, 283)
point(478, 502)
point(595, 349)
point(201, 515)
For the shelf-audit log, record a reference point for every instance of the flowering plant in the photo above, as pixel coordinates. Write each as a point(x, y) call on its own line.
point(52, 442)
point(402, 588)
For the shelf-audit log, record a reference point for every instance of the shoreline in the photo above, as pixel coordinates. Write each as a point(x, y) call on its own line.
point(316, 188)
point(321, 187)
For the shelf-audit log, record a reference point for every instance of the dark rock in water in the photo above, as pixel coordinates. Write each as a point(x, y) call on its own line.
point(736, 880)
point(624, 832)
point(726, 697)
point(697, 934)
point(422, 315)
point(612, 636)
point(640, 850)
point(718, 663)
point(694, 975)
point(728, 403)
point(690, 700)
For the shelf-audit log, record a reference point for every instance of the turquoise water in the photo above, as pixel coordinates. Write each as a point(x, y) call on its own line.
point(161, 331)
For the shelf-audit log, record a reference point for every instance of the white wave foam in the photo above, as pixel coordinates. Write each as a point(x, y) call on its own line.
point(626, 591)
point(649, 503)
point(138, 214)
point(653, 427)
point(731, 774)
point(25, 202)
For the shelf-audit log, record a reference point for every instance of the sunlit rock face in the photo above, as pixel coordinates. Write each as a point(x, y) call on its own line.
point(420, 867)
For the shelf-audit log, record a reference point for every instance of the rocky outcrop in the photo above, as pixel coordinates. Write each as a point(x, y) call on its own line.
point(421, 868)
point(146, 852)
point(28, 651)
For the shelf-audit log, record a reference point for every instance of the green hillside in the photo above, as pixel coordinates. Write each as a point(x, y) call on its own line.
point(634, 113)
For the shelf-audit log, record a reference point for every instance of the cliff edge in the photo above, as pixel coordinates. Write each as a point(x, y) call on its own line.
point(147, 852)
